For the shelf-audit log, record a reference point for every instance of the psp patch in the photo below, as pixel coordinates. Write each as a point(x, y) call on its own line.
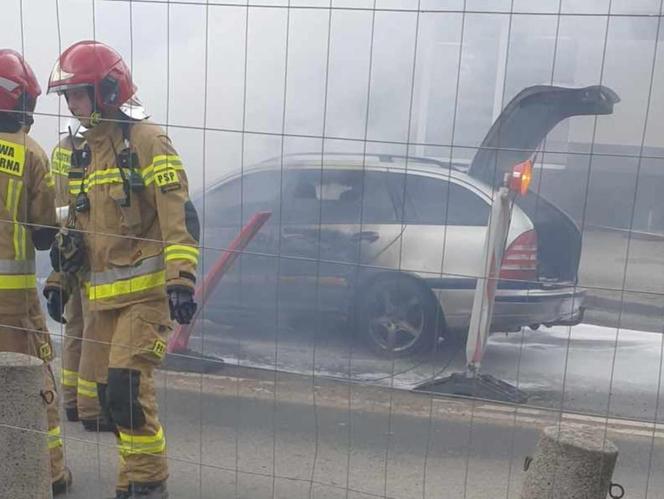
point(168, 178)
point(159, 348)
point(12, 158)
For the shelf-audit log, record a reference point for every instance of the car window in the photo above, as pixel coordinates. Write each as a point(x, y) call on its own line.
point(337, 197)
point(235, 201)
point(431, 201)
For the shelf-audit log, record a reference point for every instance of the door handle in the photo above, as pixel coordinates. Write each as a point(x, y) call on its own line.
point(366, 235)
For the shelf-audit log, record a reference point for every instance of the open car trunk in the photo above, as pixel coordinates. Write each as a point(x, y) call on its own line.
point(558, 238)
point(514, 137)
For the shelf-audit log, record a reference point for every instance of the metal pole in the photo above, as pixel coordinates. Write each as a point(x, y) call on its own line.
point(180, 339)
point(24, 459)
point(471, 382)
point(485, 290)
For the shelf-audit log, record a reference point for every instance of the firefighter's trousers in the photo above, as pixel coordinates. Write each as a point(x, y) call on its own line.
point(133, 340)
point(28, 334)
point(78, 373)
point(71, 348)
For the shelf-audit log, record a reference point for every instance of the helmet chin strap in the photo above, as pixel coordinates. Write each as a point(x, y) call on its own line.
point(95, 118)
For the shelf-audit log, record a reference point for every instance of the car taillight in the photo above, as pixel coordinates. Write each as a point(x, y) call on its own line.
point(520, 259)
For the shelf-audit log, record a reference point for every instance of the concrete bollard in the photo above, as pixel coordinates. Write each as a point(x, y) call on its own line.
point(24, 459)
point(571, 462)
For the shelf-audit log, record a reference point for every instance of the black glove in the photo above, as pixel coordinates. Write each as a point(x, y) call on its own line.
point(67, 254)
point(44, 237)
point(55, 304)
point(54, 255)
point(182, 304)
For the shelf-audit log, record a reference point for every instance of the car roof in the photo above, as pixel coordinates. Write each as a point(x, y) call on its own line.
point(381, 162)
point(387, 162)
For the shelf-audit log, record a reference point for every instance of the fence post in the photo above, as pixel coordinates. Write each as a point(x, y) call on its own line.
point(24, 460)
point(571, 462)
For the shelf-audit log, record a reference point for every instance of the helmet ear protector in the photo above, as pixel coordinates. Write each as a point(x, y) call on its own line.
point(24, 109)
point(109, 88)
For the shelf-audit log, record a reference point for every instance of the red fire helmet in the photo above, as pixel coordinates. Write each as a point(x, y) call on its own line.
point(96, 65)
point(19, 88)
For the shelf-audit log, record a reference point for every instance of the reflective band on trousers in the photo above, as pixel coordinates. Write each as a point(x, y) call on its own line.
point(87, 388)
point(141, 444)
point(181, 252)
point(54, 439)
point(69, 378)
point(127, 280)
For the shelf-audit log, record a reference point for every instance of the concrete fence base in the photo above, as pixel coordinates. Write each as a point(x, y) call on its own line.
point(571, 462)
point(24, 459)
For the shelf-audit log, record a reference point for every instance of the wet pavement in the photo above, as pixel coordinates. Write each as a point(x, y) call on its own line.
point(586, 368)
point(290, 436)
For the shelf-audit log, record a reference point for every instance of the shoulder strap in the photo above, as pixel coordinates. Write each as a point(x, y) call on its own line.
point(126, 126)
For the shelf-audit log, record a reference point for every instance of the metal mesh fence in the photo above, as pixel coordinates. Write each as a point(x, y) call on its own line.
point(373, 135)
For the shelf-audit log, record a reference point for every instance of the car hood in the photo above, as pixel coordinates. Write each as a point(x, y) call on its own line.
point(527, 119)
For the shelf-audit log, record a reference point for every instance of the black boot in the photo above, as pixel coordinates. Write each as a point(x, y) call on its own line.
point(148, 490)
point(63, 485)
point(71, 413)
point(98, 424)
point(155, 490)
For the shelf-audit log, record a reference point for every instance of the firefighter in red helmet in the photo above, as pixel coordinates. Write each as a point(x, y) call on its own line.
point(79, 391)
point(138, 252)
point(28, 222)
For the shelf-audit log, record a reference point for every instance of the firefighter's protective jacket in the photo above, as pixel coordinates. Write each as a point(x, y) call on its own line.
point(138, 240)
point(60, 164)
point(28, 206)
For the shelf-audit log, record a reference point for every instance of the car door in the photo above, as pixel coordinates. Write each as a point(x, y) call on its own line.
point(250, 284)
point(445, 223)
point(336, 221)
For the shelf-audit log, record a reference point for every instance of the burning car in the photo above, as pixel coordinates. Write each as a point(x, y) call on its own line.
point(394, 244)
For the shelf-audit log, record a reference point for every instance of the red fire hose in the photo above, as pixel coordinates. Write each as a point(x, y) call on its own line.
point(180, 338)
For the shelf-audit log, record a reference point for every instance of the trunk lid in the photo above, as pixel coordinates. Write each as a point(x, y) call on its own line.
point(514, 137)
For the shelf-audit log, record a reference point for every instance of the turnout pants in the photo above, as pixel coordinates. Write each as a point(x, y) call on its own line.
point(71, 348)
point(133, 341)
point(28, 334)
point(78, 374)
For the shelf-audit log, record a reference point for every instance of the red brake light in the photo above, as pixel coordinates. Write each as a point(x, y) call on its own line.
point(520, 259)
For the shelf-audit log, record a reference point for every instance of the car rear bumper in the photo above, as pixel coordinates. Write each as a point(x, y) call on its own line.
point(516, 308)
point(557, 306)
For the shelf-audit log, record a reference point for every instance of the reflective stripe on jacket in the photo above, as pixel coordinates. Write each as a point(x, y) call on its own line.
point(27, 203)
point(60, 166)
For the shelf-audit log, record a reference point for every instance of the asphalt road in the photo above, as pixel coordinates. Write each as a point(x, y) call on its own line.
point(320, 418)
point(590, 369)
point(287, 436)
point(335, 421)
point(624, 280)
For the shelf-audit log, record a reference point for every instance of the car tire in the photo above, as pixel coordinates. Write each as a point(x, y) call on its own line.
point(397, 316)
